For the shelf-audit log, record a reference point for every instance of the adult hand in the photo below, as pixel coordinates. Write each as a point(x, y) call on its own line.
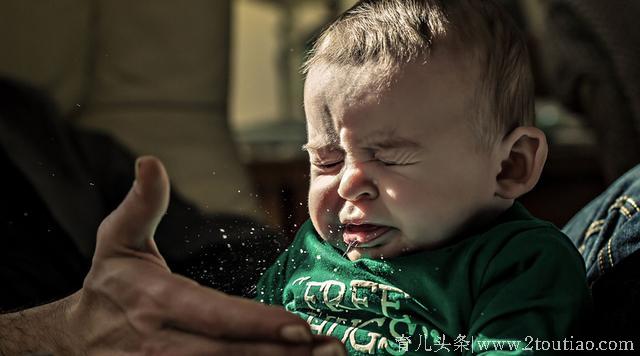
point(130, 302)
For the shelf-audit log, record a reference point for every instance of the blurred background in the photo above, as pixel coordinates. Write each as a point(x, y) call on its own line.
point(213, 88)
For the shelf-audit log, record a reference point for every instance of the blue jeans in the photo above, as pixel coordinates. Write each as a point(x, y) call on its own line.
point(607, 230)
point(607, 233)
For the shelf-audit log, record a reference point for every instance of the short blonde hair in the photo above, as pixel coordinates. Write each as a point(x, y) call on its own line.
point(393, 32)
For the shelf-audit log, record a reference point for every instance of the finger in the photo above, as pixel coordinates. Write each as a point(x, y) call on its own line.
point(132, 225)
point(173, 342)
point(191, 307)
point(323, 339)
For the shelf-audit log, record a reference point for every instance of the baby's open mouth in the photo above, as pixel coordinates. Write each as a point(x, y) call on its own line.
point(365, 235)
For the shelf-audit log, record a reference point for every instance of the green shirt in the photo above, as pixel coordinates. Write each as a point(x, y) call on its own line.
point(521, 279)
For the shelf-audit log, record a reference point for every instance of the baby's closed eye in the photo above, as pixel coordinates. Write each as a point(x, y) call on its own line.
point(397, 158)
point(326, 164)
point(326, 161)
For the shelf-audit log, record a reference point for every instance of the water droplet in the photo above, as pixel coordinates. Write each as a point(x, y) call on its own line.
point(221, 230)
point(224, 237)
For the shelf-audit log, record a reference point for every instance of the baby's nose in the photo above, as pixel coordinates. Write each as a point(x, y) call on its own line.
point(356, 184)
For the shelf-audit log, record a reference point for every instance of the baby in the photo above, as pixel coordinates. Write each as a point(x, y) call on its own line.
point(420, 138)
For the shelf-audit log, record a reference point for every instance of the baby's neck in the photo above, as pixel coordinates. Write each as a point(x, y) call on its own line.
point(479, 222)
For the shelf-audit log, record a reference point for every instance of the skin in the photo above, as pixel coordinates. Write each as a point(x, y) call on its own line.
point(131, 304)
point(395, 151)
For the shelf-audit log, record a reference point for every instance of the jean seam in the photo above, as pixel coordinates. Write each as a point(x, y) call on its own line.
point(596, 226)
point(609, 251)
point(601, 262)
point(619, 203)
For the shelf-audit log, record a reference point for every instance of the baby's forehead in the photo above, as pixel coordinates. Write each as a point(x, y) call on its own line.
point(417, 98)
point(347, 80)
point(387, 70)
point(346, 86)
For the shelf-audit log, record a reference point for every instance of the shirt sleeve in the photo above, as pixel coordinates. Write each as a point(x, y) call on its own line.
point(533, 288)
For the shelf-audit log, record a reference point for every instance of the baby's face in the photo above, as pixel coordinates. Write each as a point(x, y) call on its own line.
point(394, 169)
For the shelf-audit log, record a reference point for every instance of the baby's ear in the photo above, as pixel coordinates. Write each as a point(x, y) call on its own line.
point(523, 153)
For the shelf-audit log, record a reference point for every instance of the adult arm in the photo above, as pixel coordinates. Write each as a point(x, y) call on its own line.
point(131, 303)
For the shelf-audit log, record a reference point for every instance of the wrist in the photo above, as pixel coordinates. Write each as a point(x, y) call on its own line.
point(42, 329)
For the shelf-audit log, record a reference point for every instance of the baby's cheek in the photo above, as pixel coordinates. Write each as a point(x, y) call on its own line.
point(323, 208)
point(406, 200)
point(415, 209)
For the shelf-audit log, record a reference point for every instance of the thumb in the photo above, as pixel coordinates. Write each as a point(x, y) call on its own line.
point(129, 229)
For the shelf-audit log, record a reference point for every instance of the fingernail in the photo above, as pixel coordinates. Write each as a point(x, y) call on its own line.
point(329, 349)
point(296, 333)
point(137, 166)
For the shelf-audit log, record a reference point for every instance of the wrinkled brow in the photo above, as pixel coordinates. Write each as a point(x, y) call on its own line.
point(330, 139)
point(381, 140)
point(321, 146)
point(381, 144)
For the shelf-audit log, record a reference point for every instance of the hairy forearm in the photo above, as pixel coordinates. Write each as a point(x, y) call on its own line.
point(39, 330)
